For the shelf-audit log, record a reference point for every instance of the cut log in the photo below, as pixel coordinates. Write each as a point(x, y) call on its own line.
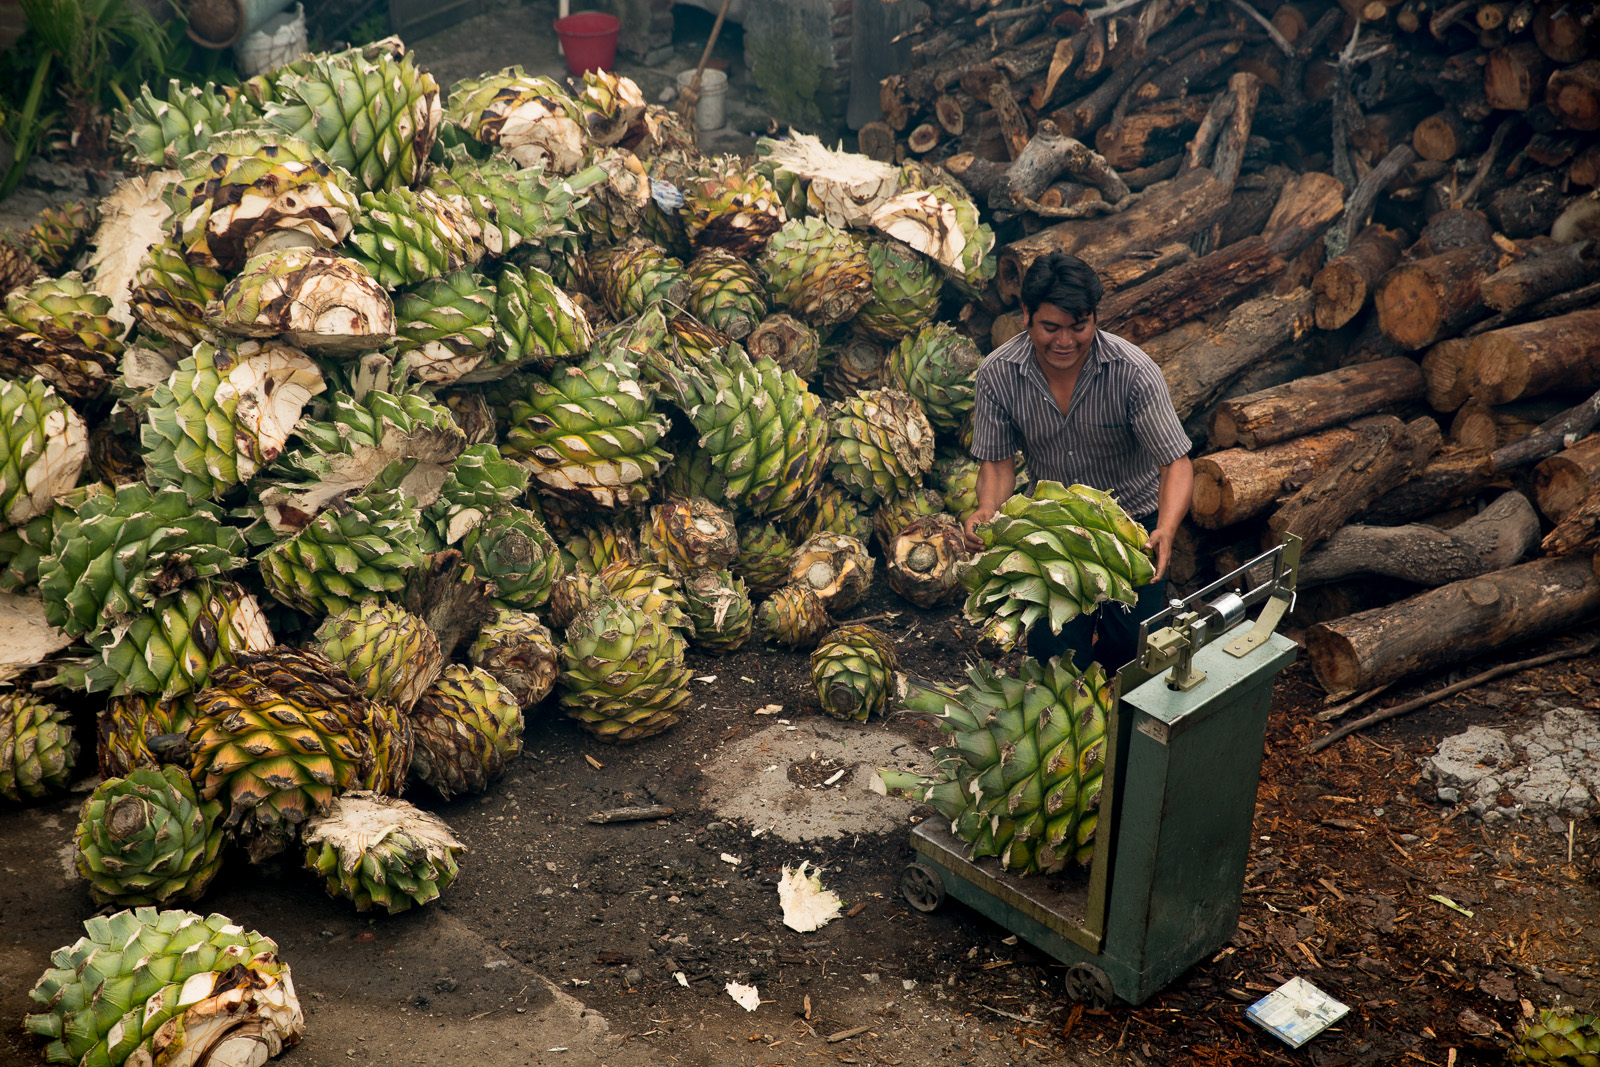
point(1198, 372)
point(1450, 229)
point(1573, 96)
point(1554, 434)
point(1445, 135)
point(1315, 403)
point(1561, 482)
point(1448, 372)
point(1186, 291)
point(1254, 198)
point(1451, 478)
point(1237, 484)
point(1151, 133)
point(1564, 31)
point(1578, 532)
point(1536, 357)
point(1483, 428)
point(1528, 206)
point(1530, 280)
point(1013, 127)
point(1497, 537)
point(1139, 266)
point(923, 139)
point(1386, 452)
point(1167, 212)
point(950, 115)
point(1514, 78)
point(1342, 287)
point(876, 141)
point(1451, 624)
point(1306, 207)
point(1418, 303)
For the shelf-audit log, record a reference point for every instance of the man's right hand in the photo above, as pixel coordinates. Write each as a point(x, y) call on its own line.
point(970, 527)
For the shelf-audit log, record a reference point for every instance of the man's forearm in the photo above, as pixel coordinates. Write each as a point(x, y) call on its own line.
point(1177, 490)
point(997, 480)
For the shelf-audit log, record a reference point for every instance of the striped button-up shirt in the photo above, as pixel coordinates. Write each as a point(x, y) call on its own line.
point(1119, 430)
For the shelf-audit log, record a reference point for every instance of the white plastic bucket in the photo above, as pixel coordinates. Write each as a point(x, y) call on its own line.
point(710, 112)
point(282, 39)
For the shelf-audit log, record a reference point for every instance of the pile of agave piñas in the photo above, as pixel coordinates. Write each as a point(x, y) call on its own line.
point(345, 445)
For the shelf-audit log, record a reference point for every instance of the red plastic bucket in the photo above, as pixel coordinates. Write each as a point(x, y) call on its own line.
point(589, 40)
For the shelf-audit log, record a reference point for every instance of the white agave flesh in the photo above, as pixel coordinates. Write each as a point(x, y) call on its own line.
point(926, 223)
point(269, 387)
point(244, 1025)
point(56, 470)
point(358, 822)
point(133, 219)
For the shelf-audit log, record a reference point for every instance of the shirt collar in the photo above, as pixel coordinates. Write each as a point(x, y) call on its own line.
point(1022, 355)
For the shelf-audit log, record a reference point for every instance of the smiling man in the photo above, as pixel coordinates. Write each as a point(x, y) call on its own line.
point(1084, 406)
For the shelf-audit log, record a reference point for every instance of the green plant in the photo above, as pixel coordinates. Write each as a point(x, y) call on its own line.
point(83, 50)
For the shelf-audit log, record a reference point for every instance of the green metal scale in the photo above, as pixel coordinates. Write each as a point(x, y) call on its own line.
point(1164, 888)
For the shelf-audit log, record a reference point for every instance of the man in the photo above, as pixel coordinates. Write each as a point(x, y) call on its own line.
point(1086, 407)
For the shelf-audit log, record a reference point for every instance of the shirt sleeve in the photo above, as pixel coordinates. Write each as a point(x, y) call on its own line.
point(1155, 421)
point(994, 435)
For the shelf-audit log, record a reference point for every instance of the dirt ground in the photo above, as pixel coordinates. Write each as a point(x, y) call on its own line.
point(563, 940)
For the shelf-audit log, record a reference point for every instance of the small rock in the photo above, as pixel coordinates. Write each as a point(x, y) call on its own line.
point(668, 95)
point(495, 965)
point(445, 985)
point(1475, 1024)
point(1557, 824)
point(1498, 986)
point(632, 976)
point(1409, 839)
point(1449, 795)
point(1492, 818)
point(871, 979)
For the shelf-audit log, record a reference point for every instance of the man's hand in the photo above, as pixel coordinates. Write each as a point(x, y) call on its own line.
point(1160, 546)
point(970, 527)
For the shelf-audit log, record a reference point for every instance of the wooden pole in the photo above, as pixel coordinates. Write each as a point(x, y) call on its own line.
point(690, 96)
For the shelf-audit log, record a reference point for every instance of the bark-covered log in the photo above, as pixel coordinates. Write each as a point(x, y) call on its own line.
point(1315, 403)
point(1561, 482)
point(1528, 206)
point(1237, 484)
point(1167, 212)
point(1342, 287)
point(1143, 264)
point(1418, 303)
point(1554, 434)
point(1187, 291)
point(1198, 372)
point(1578, 532)
point(1450, 229)
point(1150, 133)
point(1530, 280)
point(1386, 452)
point(1452, 477)
point(1536, 357)
point(1307, 206)
point(1496, 537)
point(1453, 623)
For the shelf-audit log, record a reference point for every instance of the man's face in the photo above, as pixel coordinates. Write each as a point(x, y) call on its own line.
point(1060, 341)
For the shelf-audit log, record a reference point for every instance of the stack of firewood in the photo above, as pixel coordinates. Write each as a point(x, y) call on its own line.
point(1359, 238)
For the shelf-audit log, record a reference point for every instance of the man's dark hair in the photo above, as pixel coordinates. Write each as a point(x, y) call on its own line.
point(1063, 280)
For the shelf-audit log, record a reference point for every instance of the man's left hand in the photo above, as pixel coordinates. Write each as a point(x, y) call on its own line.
point(1160, 546)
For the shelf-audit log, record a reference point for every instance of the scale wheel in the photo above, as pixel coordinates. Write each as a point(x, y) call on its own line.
point(1089, 986)
point(922, 887)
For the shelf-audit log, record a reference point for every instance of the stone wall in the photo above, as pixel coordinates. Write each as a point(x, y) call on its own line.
point(798, 53)
point(646, 27)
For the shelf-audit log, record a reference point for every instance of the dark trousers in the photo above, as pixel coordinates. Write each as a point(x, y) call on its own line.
point(1108, 634)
